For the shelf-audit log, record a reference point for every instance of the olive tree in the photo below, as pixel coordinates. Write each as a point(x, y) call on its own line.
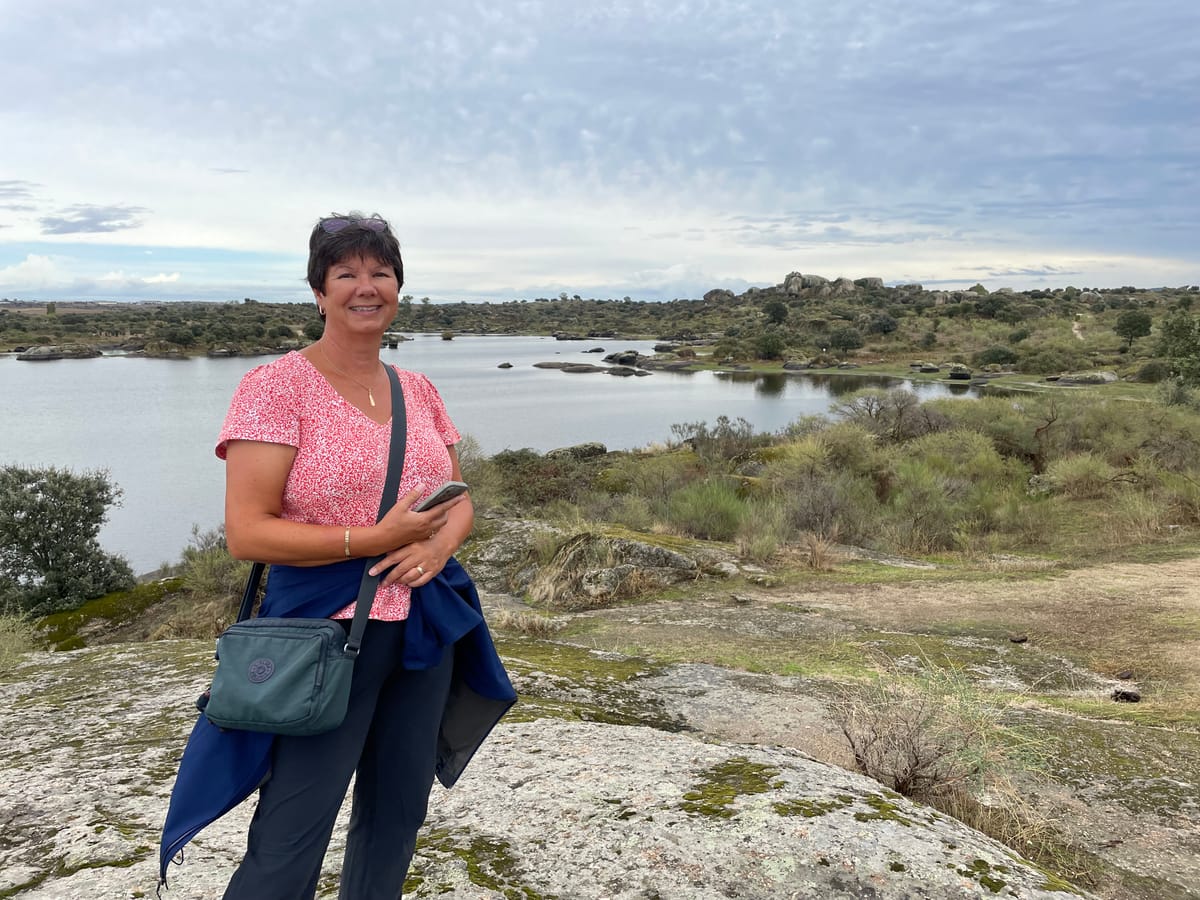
point(50, 558)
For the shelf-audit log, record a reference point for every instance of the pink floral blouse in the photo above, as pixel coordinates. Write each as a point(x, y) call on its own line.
point(341, 460)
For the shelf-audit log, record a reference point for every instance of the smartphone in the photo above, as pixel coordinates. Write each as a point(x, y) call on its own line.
point(446, 492)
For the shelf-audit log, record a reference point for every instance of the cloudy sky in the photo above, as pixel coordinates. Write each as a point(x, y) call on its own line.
point(650, 148)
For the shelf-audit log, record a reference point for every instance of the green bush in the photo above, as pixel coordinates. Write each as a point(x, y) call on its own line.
point(1050, 359)
point(632, 511)
point(530, 479)
point(928, 510)
point(835, 504)
point(1083, 476)
point(995, 356)
point(209, 572)
point(966, 454)
point(1153, 372)
point(763, 531)
point(708, 509)
point(654, 476)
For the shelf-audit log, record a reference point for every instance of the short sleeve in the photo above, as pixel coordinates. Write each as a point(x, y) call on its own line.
point(265, 407)
point(437, 410)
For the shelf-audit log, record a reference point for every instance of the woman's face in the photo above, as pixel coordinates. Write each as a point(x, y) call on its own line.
point(361, 294)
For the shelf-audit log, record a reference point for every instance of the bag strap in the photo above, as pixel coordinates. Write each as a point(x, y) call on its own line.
point(391, 488)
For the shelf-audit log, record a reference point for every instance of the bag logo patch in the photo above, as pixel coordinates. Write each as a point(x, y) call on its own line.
point(260, 670)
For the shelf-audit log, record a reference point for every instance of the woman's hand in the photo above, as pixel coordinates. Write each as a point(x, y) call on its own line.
point(402, 526)
point(416, 561)
point(415, 564)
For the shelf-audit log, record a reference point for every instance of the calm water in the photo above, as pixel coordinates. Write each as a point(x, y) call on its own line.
point(152, 423)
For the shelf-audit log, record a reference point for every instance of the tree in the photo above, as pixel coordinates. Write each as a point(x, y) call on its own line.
point(50, 559)
point(1131, 324)
point(845, 339)
point(770, 345)
point(882, 323)
point(1179, 342)
point(776, 311)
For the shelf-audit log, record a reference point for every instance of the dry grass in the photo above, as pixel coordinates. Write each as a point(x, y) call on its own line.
point(819, 551)
point(526, 622)
point(16, 638)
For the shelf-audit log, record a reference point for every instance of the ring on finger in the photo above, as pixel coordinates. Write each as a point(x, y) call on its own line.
point(421, 569)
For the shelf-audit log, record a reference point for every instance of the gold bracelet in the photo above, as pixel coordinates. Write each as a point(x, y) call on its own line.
point(347, 543)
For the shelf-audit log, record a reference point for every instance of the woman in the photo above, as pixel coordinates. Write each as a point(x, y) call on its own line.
point(306, 446)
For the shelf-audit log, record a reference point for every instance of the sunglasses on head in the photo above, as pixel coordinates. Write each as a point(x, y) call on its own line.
point(334, 224)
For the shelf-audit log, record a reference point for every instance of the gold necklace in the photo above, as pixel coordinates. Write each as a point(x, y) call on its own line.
point(329, 362)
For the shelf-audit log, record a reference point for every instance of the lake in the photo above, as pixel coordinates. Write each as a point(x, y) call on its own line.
point(152, 423)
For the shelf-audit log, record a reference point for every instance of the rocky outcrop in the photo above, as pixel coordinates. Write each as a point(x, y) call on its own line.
point(551, 807)
point(58, 351)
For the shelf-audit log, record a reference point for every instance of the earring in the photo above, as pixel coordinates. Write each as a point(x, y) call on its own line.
point(320, 310)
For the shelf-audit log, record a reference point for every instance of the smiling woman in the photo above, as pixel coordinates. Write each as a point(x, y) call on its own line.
point(307, 445)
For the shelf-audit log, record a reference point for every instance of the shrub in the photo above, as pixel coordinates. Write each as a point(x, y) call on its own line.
point(763, 531)
point(726, 440)
point(819, 552)
point(478, 471)
point(896, 415)
point(209, 573)
point(996, 355)
point(1153, 372)
point(1176, 392)
point(656, 477)
point(966, 454)
point(1081, 476)
point(929, 735)
point(1015, 428)
point(707, 509)
point(1050, 359)
point(770, 345)
point(632, 511)
point(929, 510)
point(530, 479)
point(834, 504)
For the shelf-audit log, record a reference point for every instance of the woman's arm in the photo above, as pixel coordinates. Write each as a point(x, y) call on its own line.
point(418, 562)
point(255, 476)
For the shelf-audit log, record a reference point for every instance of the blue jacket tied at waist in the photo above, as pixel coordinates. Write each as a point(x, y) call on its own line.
point(221, 768)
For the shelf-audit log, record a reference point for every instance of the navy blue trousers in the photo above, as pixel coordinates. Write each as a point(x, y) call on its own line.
point(388, 741)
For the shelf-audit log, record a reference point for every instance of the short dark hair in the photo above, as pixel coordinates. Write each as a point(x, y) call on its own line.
point(358, 236)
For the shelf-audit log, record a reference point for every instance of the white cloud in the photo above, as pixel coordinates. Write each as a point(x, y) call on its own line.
point(32, 273)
